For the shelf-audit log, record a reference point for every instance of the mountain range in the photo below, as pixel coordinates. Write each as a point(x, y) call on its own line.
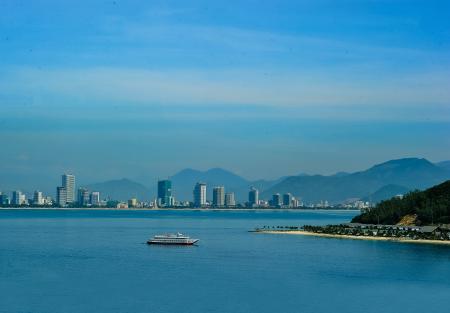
point(377, 183)
point(410, 173)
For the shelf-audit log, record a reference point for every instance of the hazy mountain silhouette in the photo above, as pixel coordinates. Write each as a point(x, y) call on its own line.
point(379, 182)
point(412, 173)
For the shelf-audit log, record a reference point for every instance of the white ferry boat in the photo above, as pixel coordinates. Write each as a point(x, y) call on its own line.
point(171, 239)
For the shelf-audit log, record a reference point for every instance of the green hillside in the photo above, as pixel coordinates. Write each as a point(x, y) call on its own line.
point(431, 206)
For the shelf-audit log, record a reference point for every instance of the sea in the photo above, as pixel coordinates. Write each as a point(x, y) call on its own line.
point(67, 261)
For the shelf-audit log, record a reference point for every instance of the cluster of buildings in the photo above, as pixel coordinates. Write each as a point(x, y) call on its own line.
point(278, 201)
point(20, 199)
point(68, 196)
point(221, 199)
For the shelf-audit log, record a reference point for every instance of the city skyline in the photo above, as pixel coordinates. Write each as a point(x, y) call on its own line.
point(129, 88)
point(65, 197)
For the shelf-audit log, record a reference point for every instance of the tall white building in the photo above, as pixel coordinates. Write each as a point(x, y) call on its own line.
point(200, 195)
point(68, 182)
point(219, 196)
point(38, 198)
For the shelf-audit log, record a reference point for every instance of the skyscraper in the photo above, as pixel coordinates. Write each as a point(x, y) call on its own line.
point(200, 195)
point(229, 199)
point(165, 193)
point(68, 182)
point(287, 200)
point(61, 196)
point(276, 200)
point(219, 196)
point(83, 196)
point(253, 197)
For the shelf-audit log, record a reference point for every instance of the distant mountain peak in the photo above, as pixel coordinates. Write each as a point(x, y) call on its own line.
point(218, 170)
point(397, 175)
point(404, 162)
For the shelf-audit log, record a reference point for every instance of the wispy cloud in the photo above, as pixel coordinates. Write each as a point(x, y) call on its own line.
point(215, 88)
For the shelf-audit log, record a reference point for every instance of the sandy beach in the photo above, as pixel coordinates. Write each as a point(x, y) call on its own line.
point(391, 239)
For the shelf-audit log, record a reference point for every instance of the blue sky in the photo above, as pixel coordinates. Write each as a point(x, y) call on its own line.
point(142, 89)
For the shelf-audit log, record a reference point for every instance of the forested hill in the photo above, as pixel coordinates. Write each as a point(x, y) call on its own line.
point(431, 206)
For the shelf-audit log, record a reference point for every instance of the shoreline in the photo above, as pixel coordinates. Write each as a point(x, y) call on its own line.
point(180, 209)
point(389, 239)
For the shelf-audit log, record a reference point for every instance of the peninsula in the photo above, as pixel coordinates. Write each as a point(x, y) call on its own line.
point(418, 217)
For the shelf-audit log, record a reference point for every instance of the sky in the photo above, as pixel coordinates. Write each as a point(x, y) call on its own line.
point(143, 89)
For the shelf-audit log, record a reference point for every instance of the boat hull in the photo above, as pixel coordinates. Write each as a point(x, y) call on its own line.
point(187, 243)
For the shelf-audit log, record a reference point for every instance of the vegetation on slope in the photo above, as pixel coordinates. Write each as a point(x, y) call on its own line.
point(431, 206)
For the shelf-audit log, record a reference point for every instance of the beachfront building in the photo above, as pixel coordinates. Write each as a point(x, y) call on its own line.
point(4, 199)
point(276, 200)
point(68, 182)
point(165, 198)
point(230, 201)
point(61, 196)
point(287, 200)
point(133, 203)
point(253, 197)
point(219, 196)
point(38, 198)
point(83, 196)
point(200, 195)
point(95, 198)
point(18, 198)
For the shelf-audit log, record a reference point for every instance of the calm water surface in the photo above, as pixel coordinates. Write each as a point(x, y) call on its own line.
point(97, 261)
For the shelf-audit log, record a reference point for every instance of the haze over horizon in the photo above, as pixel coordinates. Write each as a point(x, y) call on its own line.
point(142, 90)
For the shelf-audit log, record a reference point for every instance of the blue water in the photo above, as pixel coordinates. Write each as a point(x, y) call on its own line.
point(97, 261)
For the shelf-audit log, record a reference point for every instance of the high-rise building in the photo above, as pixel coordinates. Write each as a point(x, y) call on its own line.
point(229, 199)
point(287, 200)
point(276, 200)
point(200, 195)
point(15, 197)
point(68, 182)
point(95, 198)
point(61, 196)
point(18, 198)
point(38, 198)
point(253, 197)
point(165, 193)
point(83, 196)
point(219, 196)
